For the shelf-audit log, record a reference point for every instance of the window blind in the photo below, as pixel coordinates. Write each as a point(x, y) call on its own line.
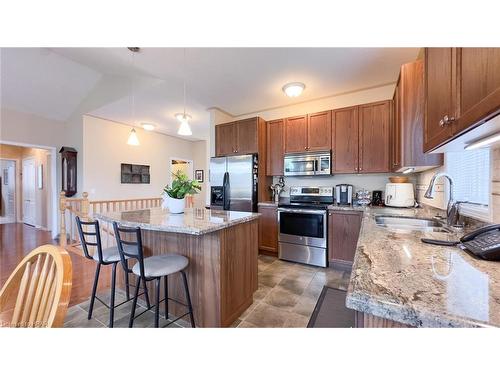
point(471, 173)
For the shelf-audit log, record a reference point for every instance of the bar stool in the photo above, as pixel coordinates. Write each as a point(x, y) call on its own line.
point(152, 268)
point(103, 257)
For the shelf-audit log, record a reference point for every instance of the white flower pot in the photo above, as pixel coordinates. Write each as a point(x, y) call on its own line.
point(164, 202)
point(176, 206)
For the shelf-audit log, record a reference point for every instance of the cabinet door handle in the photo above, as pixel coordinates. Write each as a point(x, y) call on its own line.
point(448, 119)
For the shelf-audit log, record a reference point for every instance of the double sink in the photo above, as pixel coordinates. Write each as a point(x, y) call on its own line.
point(410, 223)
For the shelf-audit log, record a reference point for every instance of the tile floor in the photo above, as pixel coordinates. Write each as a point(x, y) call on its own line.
point(286, 297)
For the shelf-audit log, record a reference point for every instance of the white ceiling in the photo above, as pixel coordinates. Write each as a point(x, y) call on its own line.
point(54, 82)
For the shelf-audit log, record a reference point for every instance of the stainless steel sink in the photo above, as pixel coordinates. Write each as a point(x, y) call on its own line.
point(410, 223)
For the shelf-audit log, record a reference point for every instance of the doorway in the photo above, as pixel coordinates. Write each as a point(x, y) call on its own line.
point(178, 164)
point(7, 191)
point(29, 182)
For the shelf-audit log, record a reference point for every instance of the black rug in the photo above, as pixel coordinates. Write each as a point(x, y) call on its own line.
point(330, 310)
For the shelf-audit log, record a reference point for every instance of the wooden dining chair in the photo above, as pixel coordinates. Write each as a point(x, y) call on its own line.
point(37, 292)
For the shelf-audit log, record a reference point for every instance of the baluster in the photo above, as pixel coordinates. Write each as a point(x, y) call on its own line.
point(62, 227)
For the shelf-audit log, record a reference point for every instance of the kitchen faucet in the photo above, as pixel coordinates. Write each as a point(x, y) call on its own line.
point(452, 209)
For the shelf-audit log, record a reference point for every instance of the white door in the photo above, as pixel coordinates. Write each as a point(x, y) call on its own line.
point(7, 191)
point(29, 184)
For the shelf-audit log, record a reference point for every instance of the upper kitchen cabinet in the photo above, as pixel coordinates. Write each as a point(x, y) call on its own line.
point(344, 141)
point(225, 139)
point(295, 134)
point(247, 136)
point(408, 122)
point(440, 88)
point(308, 133)
point(319, 127)
point(374, 137)
point(275, 147)
point(479, 82)
point(462, 90)
point(238, 137)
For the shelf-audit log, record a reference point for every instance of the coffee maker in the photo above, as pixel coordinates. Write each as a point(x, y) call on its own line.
point(343, 194)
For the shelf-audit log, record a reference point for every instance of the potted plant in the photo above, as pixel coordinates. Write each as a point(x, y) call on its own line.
point(176, 194)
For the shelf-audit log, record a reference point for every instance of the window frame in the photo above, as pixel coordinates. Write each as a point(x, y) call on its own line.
point(475, 210)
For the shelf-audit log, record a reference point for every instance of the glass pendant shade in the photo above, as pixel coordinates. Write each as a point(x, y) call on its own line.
point(184, 128)
point(132, 138)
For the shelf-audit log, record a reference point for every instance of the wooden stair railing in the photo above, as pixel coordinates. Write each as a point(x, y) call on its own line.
point(72, 207)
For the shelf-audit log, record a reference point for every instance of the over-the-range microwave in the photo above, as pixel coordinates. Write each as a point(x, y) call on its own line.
point(307, 164)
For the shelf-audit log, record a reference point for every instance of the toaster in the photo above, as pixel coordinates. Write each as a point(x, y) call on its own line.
point(399, 195)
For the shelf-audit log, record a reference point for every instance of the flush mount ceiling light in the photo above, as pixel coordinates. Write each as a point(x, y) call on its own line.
point(293, 89)
point(483, 142)
point(184, 128)
point(132, 138)
point(148, 126)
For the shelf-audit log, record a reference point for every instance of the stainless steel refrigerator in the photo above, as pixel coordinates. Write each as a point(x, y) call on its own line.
point(233, 183)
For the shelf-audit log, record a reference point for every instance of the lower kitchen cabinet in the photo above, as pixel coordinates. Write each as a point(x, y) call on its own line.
point(343, 233)
point(268, 230)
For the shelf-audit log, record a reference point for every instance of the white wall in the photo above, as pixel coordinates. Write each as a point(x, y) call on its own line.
point(370, 182)
point(200, 162)
point(105, 148)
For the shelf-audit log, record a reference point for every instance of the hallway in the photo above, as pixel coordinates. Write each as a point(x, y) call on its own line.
point(17, 240)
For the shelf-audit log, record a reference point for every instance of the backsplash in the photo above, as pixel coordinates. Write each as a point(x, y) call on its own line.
point(365, 181)
point(495, 184)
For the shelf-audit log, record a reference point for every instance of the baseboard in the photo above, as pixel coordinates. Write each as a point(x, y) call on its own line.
point(267, 252)
point(342, 265)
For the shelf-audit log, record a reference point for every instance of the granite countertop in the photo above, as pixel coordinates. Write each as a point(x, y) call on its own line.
point(268, 203)
point(397, 277)
point(195, 221)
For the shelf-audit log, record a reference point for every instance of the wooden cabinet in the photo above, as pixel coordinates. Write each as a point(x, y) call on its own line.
point(374, 127)
point(296, 134)
point(238, 137)
point(275, 147)
point(248, 136)
point(479, 82)
point(319, 127)
point(361, 138)
point(462, 90)
point(225, 139)
point(408, 122)
point(440, 88)
point(343, 233)
point(308, 133)
point(396, 146)
point(345, 140)
point(268, 229)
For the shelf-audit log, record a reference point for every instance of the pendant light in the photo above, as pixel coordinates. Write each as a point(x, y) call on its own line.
point(132, 138)
point(184, 128)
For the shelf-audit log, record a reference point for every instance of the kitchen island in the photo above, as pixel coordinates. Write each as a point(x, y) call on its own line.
point(398, 281)
point(222, 248)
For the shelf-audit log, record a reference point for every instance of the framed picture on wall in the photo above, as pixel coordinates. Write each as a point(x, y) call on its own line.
point(198, 175)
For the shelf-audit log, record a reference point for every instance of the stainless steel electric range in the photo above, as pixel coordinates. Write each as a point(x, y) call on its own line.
point(302, 223)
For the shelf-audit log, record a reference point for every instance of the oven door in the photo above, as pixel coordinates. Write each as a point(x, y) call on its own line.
point(300, 165)
point(302, 227)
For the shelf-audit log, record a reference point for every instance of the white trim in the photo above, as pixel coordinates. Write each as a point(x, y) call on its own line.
point(55, 193)
point(16, 219)
point(476, 211)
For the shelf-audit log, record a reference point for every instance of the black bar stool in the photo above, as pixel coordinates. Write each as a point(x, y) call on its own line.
point(103, 257)
point(152, 268)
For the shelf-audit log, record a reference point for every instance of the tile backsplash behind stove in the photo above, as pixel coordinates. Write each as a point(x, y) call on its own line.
point(365, 181)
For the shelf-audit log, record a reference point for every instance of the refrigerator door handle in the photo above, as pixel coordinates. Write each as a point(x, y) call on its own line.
point(226, 191)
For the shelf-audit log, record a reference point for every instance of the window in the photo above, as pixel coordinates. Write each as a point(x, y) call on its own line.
point(471, 173)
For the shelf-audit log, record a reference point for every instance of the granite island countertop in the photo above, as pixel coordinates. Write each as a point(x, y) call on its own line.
point(194, 221)
point(395, 276)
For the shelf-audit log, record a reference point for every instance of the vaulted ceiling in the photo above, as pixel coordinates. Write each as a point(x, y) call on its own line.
point(58, 83)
